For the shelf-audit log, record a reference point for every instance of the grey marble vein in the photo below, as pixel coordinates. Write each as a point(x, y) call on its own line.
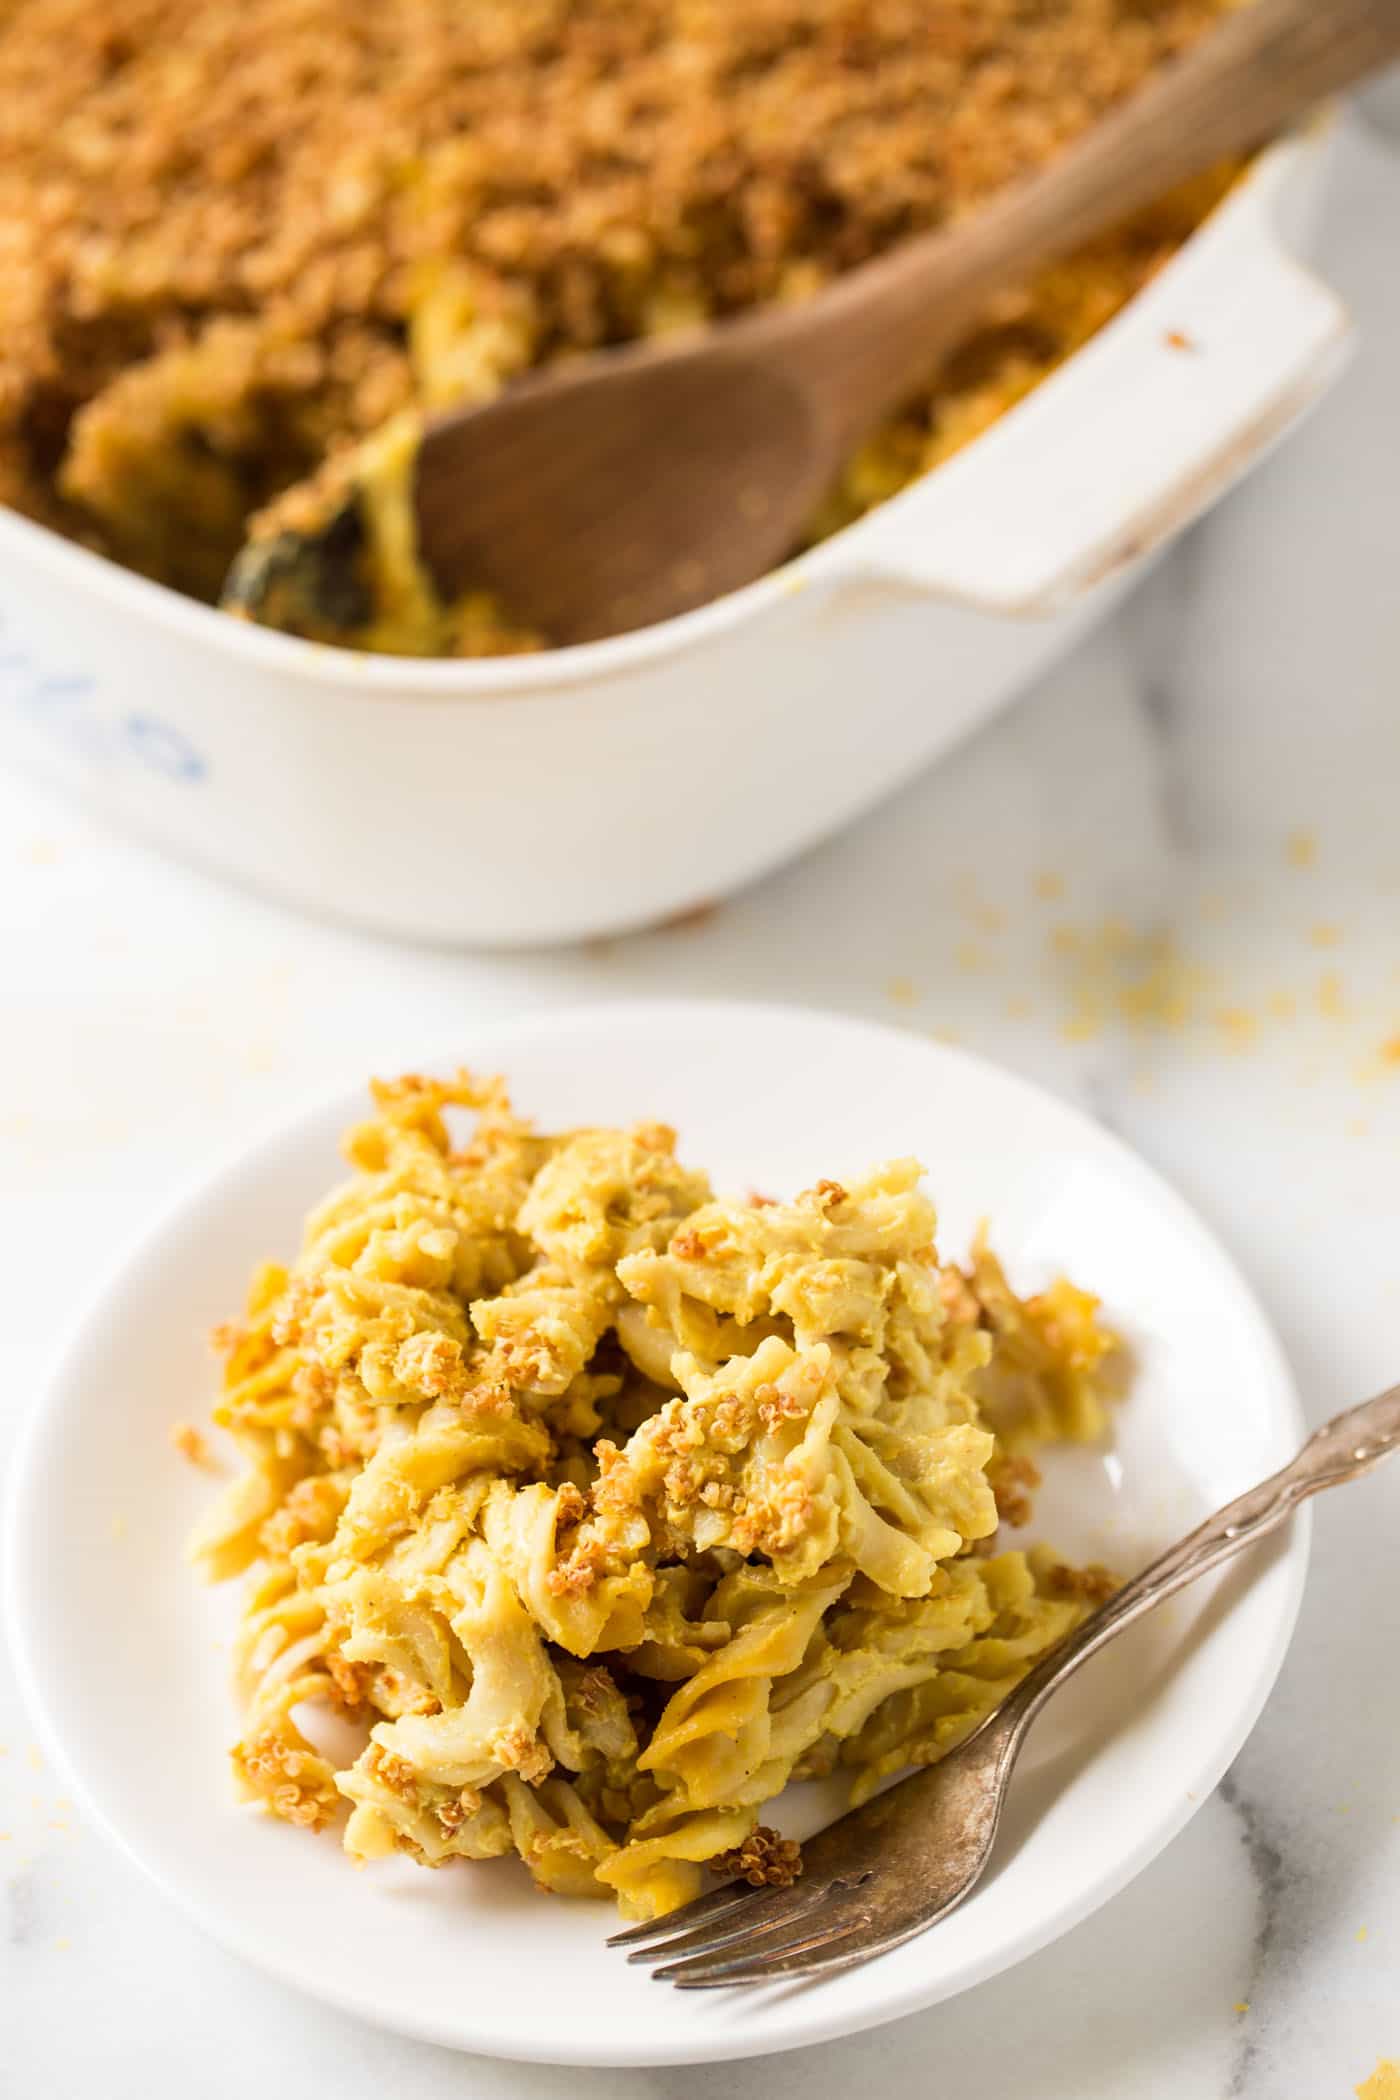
point(23, 1908)
point(1269, 1870)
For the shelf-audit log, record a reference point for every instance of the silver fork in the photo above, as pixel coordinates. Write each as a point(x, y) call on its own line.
point(890, 1869)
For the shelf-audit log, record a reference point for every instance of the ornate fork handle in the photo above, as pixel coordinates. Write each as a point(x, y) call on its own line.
point(1347, 1445)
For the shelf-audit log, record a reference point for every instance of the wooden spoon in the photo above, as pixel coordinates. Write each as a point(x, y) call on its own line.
point(620, 489)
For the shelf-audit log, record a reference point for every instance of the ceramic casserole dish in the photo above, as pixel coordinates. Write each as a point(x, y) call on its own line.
point(591, 789)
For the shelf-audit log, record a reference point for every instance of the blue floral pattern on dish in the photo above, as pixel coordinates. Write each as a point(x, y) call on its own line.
point(66, 706)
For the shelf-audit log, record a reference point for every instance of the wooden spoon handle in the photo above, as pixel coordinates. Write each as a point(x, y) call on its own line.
point(1264, 67)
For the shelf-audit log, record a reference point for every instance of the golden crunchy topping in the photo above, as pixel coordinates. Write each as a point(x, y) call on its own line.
point(519, 1750)
point(432, 1364)
point(776, 1403)
point(453, 1812)
point(339, 1449)
point(351, 1680)
point(314, 1386)
point(292, 1309)
point(310, 1511)
point(237, 239)
point(577, 1572)
point(286, 1779)
point(826, 1196)
point(654, 1137)
point(764, 1860)
point(958, 1299)
point(398, 1694)
point(570, 1506)
point(1013, 1479)
point(191, 1444)
point(1091, 1585)
point(390, 1770)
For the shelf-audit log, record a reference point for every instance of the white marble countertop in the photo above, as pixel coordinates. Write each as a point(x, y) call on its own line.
point(1166, 885)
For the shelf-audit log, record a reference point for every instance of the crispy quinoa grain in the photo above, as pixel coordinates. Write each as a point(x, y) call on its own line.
point(1012, 1479)
point(1094, 1584)
point(764, 1860)
point(235, 239)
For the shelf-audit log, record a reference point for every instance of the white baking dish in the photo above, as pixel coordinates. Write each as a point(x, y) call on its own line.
point(602, 787)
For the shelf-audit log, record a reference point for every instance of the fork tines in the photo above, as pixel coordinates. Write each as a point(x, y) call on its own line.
point(739, 1935)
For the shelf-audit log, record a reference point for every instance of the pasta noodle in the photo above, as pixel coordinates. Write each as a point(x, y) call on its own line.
point(605, 1507)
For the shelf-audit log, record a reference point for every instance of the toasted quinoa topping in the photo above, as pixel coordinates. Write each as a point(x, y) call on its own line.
point(237, 236)
point(764, 1860)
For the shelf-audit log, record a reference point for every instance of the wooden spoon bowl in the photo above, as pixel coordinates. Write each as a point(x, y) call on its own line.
point(614, 491)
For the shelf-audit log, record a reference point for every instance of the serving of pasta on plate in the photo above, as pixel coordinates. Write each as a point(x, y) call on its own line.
point(583, 1509)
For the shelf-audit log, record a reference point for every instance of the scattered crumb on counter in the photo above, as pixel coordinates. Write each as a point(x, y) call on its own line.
point(1331, 999)
point(1241, 2005)
point(35, 1758)
point(1138, 978)
point(1363, 1933)
point(1049, 885)
point(1325, 934)
point(901, 991)
point(1178, 339)
point(116, 1530)
point(1389, 1052)
point(1302, 849)
point(1238, 1025)
point(970, 958)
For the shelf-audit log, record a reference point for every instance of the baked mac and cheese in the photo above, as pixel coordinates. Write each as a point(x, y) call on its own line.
point(606, 1506)
point(243, 238)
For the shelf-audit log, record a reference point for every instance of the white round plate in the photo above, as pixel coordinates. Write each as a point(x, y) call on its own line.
point(124, 1656)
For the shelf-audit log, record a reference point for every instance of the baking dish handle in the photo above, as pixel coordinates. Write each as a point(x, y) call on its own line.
point(1133, 438)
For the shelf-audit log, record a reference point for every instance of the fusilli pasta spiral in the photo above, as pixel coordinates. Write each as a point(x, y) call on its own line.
point(600, 1508)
